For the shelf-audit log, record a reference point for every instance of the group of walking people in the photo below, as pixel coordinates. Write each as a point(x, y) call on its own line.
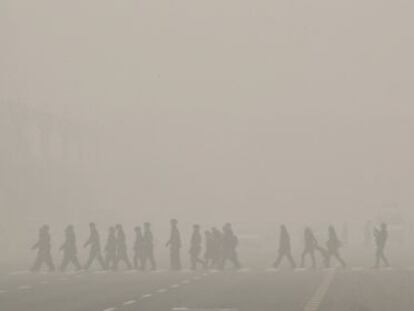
point(329, 251)
point(220, 247)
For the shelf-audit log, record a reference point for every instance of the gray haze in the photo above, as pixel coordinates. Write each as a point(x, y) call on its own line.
point(205, 110)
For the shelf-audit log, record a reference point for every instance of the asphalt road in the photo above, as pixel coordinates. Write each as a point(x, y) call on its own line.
point(247, 290)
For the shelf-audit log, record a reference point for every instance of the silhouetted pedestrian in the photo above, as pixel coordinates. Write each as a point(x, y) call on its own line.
point(174, 243)
point(195, 248)
point(284, 248)
point(95, 248)
point(333, 244)
point(110, 249)
point(209, 249)
point(148, 248)
point(229, 247)
point(70, 250)
point(121, 248)
point(138, 249)
point(381, 237)
point(43, 246)
point(344, 234)
point(310, 246)
point(217, 248)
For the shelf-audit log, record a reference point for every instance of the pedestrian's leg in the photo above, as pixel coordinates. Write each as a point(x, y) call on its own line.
point(235, 259)
point(145, 258)
point(377, 258)
point(193, 262)
point(222, 262)
point(101, 261)
point(152, 261)
point(171, 259)
point(135, 261)
point(107, 260)
point(278, 260)
point(201, 261)
point(37, 263)
point(302, 264)
point(291, 260)
point(312, 254)
point(49, 262)
point(127, 262)
point(178, 260)
point(384, 259)
point(341, 261)
point(64, 264)
point(76, 263)
point(324, 254)
point(92, 255)
point(141, 261)
point(328, 260)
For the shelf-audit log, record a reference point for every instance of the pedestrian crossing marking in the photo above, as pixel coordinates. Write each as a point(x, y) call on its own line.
point(129, 302)
point(314, 303)
point(24, 287)
point(19, 272)
point(162, 290)
point(146, 296)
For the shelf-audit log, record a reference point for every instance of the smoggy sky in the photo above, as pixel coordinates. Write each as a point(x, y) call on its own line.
point(296, 106)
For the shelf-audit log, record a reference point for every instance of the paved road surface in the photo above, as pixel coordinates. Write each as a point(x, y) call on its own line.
point(357, 289)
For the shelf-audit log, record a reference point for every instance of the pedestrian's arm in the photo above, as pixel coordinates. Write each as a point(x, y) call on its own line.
point(87, 242)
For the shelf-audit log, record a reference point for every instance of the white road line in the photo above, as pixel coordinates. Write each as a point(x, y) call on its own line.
point(110, 309)
point(19, 272)
point(24, 287)
point(315, 302)
point(186, 282)
point(146, 296)
point(162, 290)
point(175, 286)
point(129, 302)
